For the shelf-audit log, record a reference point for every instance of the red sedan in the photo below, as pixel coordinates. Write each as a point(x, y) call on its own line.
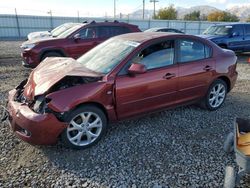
point(125, 76)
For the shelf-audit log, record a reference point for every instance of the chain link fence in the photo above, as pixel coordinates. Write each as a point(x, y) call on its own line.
point(18, 26)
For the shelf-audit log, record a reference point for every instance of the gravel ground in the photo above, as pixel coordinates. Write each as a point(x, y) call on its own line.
point(174, 148)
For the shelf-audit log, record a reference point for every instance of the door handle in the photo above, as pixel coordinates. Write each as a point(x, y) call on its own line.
point(169, 76)
point(207, 68)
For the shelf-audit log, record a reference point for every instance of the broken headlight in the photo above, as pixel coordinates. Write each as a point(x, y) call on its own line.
point(41, 104)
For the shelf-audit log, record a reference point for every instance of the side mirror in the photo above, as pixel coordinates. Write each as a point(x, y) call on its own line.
point(235, 34)
point(137, 68)
point(77, 37)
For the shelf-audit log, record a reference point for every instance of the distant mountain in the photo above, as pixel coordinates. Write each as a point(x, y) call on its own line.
point(243, 12)
point(203, 10)
point(138, 14)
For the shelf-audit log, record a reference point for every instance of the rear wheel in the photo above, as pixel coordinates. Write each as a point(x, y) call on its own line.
point(51, 54)
point(215, 96)
point(87, 124)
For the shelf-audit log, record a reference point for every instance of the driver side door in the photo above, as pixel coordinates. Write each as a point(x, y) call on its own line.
point(87, 40)
point(152, 90)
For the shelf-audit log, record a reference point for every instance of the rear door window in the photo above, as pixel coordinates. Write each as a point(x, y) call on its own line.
point(110, 31)
point(192, 50)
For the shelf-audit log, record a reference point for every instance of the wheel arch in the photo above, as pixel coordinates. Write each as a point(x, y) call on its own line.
point(57, 50)
point(226, 80)
point(96, 104)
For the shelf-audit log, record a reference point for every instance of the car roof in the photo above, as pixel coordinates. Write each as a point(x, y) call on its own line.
point(156, 28)
point(145, 36)
point(109, 23)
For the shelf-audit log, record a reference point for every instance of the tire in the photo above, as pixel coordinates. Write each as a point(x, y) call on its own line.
point(230, 177)
point(208, 102)
point(51, 54)
point(228, 146)
point(80, 134)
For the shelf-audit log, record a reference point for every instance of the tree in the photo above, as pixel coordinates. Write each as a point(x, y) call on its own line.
point(248, 19)
point(194, 16)
point(222, 16)
point(167, 13)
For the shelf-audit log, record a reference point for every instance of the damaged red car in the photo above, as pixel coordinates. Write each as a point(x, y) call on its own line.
point(125, 76)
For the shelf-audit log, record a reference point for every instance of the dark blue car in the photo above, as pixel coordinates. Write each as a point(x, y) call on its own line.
point(235, 36)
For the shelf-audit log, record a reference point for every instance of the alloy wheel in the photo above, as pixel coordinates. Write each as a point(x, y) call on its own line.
point(217, 95)
point(84, 128)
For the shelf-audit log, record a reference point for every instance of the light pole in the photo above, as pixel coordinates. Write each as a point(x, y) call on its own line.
point(114, 9)
point(143, 10)
point(154, 1)
point(51, 19)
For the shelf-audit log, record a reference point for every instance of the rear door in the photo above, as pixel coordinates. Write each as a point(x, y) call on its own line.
point(157, 88)
point(195, 69)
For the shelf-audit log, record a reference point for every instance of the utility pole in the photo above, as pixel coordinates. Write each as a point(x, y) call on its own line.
point(78, 16)
point(114, 9)
point(17, 24)
point(154, 1)
point(51, 19)
point(143, 10)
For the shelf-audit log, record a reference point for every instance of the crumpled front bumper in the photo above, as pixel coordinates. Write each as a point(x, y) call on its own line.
point(29, 59)
point(40, 129)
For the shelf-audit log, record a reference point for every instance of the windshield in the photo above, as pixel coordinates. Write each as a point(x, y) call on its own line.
point(217, 30)
point(60, 29)
point(69, 31)
point(106, 56)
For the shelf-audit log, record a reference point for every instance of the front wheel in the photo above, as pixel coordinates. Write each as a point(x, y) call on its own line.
point(215, 96)
point(87, 124)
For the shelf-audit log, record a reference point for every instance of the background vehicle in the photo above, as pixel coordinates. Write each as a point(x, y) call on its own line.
point(235, 37)
point(146, 72)
point(53, 33)
point(73, 42)
point(163, 29)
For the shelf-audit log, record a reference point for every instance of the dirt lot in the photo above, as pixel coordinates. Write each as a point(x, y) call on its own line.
point(174, 148)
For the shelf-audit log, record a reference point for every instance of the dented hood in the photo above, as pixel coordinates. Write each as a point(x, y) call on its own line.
point(52, 70)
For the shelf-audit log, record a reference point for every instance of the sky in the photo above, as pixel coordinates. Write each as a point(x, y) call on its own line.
point(98, 8)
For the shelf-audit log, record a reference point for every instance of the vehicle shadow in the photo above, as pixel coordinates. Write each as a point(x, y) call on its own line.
point(183, 144)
